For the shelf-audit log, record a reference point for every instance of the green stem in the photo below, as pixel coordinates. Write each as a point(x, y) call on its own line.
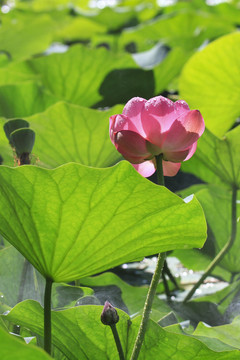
point(154, 283)
point(47, 316)
point(77, 282)
point(117, 341)
point(148, 306)
point(223, 251)
point(165, 283)
point(167, 271)
point(160, 177)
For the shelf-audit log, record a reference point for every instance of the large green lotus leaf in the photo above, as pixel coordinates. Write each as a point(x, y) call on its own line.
point(133, 296)
point(22, 36)
point(114, 19)
point(211, 343)
point(228, 334)
point(47, 5)
point(79, 334)
point(169, 68)
point(217, 160)
point(216, 203)
point(133, 3)
point(14, 73)
point(12, 349)
point(76, 221)
point(131, 83)
point(210, 81)
point(229, 11)
point(77, 74)
point(65, 295)
point(66, 133)
point(226, 11)
point(24, 99)
point(79, 28)
point(187, 29)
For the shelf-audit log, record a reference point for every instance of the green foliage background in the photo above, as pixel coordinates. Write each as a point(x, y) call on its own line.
point(65, 67)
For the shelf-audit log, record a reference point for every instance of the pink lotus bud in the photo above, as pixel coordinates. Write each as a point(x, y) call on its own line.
point(147, 128)
point(109, 314)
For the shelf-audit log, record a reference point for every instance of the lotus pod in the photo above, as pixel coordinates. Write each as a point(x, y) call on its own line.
point(22, 140)
point(14, 124)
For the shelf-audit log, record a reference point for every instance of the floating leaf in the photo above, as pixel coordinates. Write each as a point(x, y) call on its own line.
point(23, 99)
point(130, 83)
point(76, 221)
point(35, 30)
point(210, 81)
point(169, 68)
point(77, 74)
point(115, 19)
point(217, 160)
point(66, 133)
point(12, 348)
point(216, 203)
point(79, 334)
point(133, 296)
point(64, 295)
point(78, 28)
point(228, 334)
point(186, 29)
point(48, 5)
point(15, 73)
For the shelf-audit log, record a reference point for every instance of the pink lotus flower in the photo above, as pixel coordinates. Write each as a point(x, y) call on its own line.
point(147, 128)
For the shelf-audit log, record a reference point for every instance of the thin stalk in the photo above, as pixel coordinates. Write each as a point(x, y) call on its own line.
point(154, 283)
point(117, 341)
point(148, 306)
point(167, 271)
point(165, 283)
point(47, 316)
point(160, 177)
point(77, 282)
point(223, 251)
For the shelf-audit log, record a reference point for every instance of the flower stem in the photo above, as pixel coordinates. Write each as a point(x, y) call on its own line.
point(160, 177)
point(47, 316)
point(117, 341)
point(148, 306)
point(154, 283)
point(223, 251)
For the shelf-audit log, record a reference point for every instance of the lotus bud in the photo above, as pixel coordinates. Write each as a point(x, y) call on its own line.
point(109, 315)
